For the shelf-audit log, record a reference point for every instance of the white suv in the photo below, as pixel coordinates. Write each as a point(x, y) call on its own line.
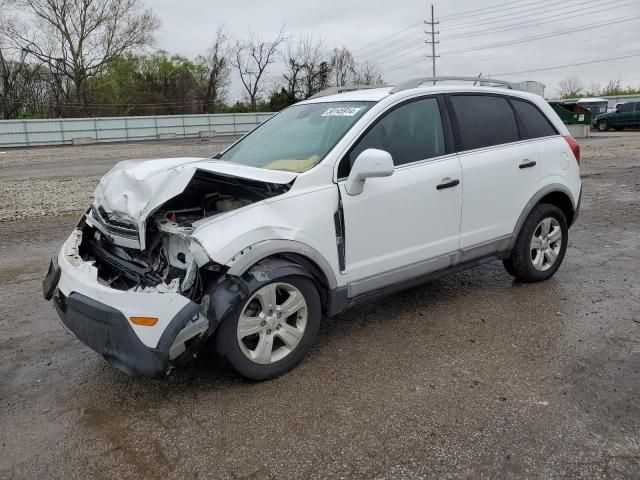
point(333, 201)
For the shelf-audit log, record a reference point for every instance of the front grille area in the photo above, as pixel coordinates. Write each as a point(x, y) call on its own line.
point(116, 227)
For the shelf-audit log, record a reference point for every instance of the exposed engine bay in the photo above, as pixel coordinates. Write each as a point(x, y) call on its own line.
point(167, 263)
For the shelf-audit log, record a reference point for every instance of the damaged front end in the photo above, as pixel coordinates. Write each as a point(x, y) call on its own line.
point(140, 263)
point(162, 256)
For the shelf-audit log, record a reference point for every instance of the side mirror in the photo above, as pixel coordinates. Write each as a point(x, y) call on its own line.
point(370, 163)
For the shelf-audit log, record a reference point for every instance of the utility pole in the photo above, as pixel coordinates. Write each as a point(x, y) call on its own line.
point(433, 41)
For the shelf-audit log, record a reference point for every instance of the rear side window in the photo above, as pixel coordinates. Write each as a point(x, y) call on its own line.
point(535, 123)
point(484, 121)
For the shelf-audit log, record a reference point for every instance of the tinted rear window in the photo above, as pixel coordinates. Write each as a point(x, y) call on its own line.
point(535, 123)
point(484, 121)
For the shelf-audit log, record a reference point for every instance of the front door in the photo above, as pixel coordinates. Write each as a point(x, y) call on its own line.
point(405, 225)
point(624, 116)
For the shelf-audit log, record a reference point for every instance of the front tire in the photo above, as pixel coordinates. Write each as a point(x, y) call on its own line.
point(271, 331)
point(540, 246)
point(603, 125)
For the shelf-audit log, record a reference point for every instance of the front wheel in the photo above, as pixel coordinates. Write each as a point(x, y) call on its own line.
point(271, 331)
point(540, 246)
point(603, 125)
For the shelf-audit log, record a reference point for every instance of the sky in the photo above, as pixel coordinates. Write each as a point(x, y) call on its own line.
point(476, 36)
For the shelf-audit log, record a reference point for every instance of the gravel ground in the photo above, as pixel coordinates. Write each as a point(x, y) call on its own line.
point(43, 182)
point(469, 376)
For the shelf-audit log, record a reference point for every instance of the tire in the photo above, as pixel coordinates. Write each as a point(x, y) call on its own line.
point(253, 356)
point(530, 264)
point(603, 125)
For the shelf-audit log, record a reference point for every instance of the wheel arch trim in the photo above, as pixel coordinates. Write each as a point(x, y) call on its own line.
point(253, 254)
point(534, 200)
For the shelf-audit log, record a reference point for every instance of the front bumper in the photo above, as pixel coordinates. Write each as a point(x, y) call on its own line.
point(99, 316)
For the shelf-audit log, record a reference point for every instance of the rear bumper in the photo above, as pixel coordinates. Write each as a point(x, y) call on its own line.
point(577, 210)
point(99, 317)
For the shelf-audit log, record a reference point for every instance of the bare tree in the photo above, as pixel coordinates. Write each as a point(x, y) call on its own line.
point(78, 38)
point(307, 68)
point(342, 66)
point(571, 87)
point(219, 72)
point(368, 73)
point(294, 65)
point(12, 92)
point(613, 87)
point(315, 66)
point(252, 58)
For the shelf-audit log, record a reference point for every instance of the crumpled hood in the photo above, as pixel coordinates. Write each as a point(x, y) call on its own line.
point(135, 188)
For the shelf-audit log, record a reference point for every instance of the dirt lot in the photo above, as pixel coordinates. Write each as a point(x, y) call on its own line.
point(470, 376)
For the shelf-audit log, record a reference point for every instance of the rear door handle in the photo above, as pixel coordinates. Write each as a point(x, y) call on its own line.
point(449, 184)
point(527, 164)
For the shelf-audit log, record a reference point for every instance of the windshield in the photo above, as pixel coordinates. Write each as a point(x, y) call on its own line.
point(296, 139)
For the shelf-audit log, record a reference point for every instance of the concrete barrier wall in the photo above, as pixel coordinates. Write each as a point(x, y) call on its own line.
point(27, 133)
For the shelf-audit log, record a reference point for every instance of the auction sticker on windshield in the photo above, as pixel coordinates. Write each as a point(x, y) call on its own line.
point(341, 111)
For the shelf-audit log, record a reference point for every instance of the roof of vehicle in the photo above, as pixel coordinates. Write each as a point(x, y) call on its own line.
point(592, 100)
point(377, 94)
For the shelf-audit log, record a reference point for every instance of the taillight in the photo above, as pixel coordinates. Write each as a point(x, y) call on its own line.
point(575, 148)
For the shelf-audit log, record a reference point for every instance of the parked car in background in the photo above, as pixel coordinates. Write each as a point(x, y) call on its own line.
point(333, 201)
point(626, 115)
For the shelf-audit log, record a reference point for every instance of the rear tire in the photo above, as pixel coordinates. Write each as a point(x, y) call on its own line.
point(265, 337)
point(540, 246)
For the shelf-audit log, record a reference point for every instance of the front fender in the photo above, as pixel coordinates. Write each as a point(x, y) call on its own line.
point(301, 224)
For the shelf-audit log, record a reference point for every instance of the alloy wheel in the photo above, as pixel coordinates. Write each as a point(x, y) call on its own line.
point(272, 323)
point(546, 244)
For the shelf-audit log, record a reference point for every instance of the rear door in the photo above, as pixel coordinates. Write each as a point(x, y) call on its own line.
point(499, 168)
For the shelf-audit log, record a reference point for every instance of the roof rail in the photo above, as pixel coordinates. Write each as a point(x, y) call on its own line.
point(344, 88)
point(416, 82)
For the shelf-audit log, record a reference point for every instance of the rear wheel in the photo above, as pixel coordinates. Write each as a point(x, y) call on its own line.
point(603, 125)
point(271, 331)
point(540, 246)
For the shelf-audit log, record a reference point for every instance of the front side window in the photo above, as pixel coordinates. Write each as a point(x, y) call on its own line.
point(627, 107)
point(410, 132)
point(484, 121)
point(298, 138)
point(535, 123)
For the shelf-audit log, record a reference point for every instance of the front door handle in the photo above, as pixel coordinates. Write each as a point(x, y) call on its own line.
point(527, 164)
point(449, 184)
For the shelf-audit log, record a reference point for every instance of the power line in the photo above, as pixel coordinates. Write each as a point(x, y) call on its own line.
point(541, 37)
point(397, 45)
point(537, 22)
point(522, 40)
point(556, 67)
point(375, 44)
point(380, 57)
point(397, 48)
point(521, 14)
point(487, 10)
